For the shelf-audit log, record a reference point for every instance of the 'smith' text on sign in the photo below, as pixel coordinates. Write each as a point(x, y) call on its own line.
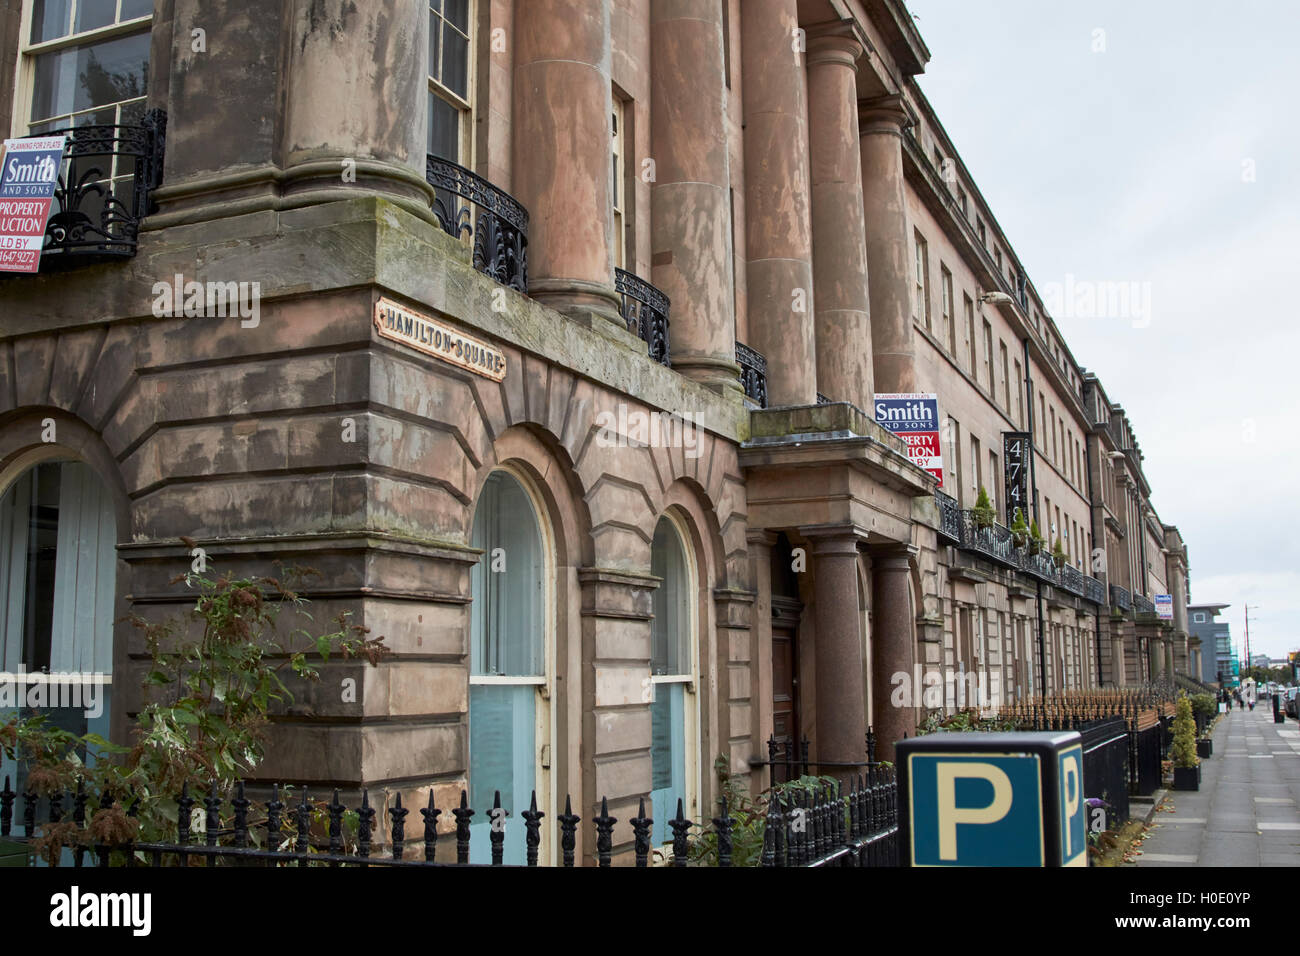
point(420, 332)
point(914, 417)
point(28, 177)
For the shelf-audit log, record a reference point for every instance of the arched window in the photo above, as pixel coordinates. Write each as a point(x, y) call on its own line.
point(508, 716)
point(673, 723)
point(58, 562)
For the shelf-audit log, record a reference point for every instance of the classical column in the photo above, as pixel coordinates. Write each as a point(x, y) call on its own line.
point(841, 697)
point(355, 101)
point(562, 153)
point(843, 322)
point(690, 198)
point(778, 228)
point(881, 123)
point(893, 648)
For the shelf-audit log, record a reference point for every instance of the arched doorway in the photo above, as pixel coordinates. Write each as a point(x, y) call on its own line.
point(58, 578)
point(674, 717)
point(510, 670)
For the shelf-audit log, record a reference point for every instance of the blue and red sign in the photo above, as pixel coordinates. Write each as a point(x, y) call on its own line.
point(914, 417)
point(28, 178)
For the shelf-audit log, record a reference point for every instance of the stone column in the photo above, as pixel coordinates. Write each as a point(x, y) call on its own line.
point(690, 200)
point(841, 698)
point(889, 263)
point(349, 99)
point(778, 228)
point(843, 321)
point(893, 648)
point(562, 140)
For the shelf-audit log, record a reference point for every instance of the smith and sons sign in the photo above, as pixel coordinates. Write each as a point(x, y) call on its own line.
point(28, 178)
point(423, 334)
point(914, 417)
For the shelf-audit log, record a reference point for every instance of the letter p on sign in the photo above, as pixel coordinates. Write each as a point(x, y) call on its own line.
point(951, 815)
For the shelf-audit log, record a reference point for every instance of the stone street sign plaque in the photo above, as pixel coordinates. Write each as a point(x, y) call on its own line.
point(417, 331)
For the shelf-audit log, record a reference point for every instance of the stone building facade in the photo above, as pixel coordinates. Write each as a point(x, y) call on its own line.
point(549, 333)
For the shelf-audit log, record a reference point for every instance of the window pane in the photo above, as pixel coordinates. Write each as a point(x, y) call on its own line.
point(136, 8)
point(444, 129)
point(455, 61)
point(670, 642)
point(457, 11)
point(433, 46)
point(507, 609)
point(92, 75)
point(93, 14)
point(502, 750)
point(50, 19)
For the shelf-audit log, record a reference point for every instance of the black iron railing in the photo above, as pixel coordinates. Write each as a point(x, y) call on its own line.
point(1093, 590)
point(993, 541)
point(1120, 598)
point(1105, 768)
point(104, 190)
point(852, 823)
point(1072, 580)
point(1143, 604)
point(753, 374)
point(1038, 565)
point(950, 522)
point(645, 310)
point(491, 218)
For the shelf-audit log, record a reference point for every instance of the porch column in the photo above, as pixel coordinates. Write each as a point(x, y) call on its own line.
point(778, 228)
point(841, 697)
point(843, 322)
point(893, 647)
point(1118, 666)
point(690, 199)
point(561, 144)
point(881, 122)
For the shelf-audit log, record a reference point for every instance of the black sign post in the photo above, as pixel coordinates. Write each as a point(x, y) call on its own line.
point(1016, 451)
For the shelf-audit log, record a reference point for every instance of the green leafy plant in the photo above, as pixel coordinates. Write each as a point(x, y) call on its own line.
point(1183, 751)
point(983, 513)
point(1058, 553)
point(214, 676)
point(1207, 706)
point(1019, 530)
point(962, 721)
point(1036, 540)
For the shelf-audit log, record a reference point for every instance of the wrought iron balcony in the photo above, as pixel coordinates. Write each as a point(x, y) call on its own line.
point(950, 523)
point(645, 310)
point(1093, 590)
point(103, 190)
point(993, 542)
point(1072, 580)
point(490, 218)
point(1143, 604)
point(1039, 565)
point(1119, 597)
point(753, 374)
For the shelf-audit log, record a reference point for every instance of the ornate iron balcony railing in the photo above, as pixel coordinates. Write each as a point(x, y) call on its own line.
point(950, 522)
point(103, 190)
point(1143, 604)
point(753, 374)
point(1039, 565)
point(1120, 598)
point(1072, 580)
point(491, 218)
point(1093, 590)
point(994, 542)
point(645, 310)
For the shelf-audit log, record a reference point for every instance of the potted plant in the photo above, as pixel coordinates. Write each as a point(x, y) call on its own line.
point(1036, 539)
point(983, 513)
point(1058, 553)
point(1187, 766)
point(1019, 530)
point(1206, 709)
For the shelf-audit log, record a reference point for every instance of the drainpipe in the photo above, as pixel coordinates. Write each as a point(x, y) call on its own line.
point(1033, 497)
point(1092, 526)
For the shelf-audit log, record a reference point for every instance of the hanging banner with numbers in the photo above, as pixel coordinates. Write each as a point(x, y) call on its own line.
point(914, 417)
point(28, 178)
point(1016, 449)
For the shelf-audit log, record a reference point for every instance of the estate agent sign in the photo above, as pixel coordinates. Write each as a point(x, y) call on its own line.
point(914, 417)
point(27, 182)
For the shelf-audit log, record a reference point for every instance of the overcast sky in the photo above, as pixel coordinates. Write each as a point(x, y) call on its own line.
point(1158, 142)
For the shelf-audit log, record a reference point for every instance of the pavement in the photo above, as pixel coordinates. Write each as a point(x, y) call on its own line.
point(1247, 810)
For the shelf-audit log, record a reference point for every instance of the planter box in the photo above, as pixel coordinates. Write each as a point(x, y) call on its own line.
point(1205, 748)
point(1187, 778)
